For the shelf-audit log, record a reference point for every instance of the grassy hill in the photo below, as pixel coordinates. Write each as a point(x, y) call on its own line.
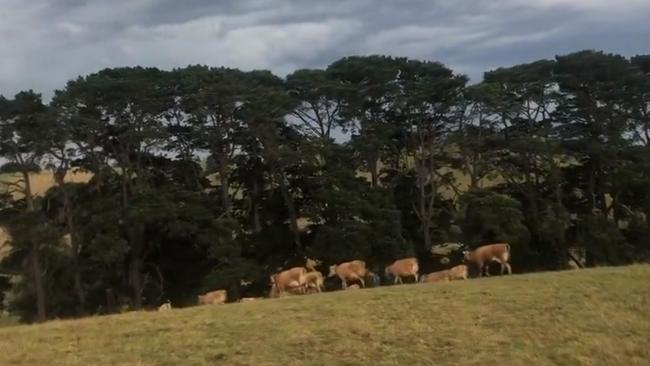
point(588, 317)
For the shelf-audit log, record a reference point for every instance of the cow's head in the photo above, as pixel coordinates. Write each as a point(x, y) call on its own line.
point(332, 270)
point(312, 262)
point(467, 255)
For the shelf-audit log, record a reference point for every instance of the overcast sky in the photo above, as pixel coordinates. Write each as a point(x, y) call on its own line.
point(44, 43)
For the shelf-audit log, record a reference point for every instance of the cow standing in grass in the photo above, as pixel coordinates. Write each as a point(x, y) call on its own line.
point(213, 297)
point(286, 280)
point(407, 267)
point(165, 306)
point(459, 272)
point(314, 281)
point(349, 271)
point(482, 256)
point(440, 276)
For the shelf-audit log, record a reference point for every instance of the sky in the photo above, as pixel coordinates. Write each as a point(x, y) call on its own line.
point(45, 43)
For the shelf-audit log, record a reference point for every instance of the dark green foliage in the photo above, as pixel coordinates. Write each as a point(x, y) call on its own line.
point(604, 241)
point(206, 177)
point(494, 218)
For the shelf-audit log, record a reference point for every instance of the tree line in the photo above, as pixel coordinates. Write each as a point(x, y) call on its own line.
point(204, 176)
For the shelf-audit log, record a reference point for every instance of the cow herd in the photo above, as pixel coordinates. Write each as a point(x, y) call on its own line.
point(353, 274)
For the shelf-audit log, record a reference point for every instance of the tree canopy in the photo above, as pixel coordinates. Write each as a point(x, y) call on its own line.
point(206, 177)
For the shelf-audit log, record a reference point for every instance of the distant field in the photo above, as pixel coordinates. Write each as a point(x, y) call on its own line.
point(41, 182)
point(587, 317)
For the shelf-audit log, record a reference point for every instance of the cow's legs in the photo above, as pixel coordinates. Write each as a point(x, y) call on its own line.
point(486, 268)
point(344, 285)
point(480, 269)
point(508, 267)
point(363, 283)
point(500, 263)
point(416, 277)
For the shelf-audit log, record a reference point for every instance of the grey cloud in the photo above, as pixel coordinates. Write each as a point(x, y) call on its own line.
point(45, 43)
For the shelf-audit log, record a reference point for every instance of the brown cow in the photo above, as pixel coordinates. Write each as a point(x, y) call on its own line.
point(314, 281)
point(349, 271)
point(311, 264)
point(482, 256)
point(292, 289)
point(166, 306)
point(403, 268)
point(293, 277)
point(213, 297)
point(458, 272)
point(440, 276)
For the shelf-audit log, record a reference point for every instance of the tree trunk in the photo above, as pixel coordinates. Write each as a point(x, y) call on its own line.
point(29, 199)
point(225, 182)
point(426, 231)
point(425, 219)
point(136, 263)
point(293, 217)
point(136, 279)
point(74, 243)
point(38, 283)
point(255, 213)
point(125, 190)
point(76, 268)
point(374, 174)
point(37, 272)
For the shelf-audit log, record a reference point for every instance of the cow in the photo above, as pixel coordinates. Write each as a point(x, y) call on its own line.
point(311, 264)
point(349, 271)
point(314, 281)
point(403, 268)
point(166, 306)
point(440, 276)
point(459, 272)
point(293, 289)
point(213, 297)
point(293, 277)
point(485, 254)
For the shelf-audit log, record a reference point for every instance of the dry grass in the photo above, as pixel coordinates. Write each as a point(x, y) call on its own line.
point(591, 317)
point(41, 182)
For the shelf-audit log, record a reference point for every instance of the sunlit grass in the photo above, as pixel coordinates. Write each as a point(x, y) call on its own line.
point(589, 317)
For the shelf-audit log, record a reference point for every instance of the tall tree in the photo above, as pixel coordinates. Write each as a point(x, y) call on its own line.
point(318, 102)
point(429, 98)
point(210, 98)
point(271, 138)
point(593, 120)
point(530, 153)
point(121, 111)
point(369, 88)
point(23, 124)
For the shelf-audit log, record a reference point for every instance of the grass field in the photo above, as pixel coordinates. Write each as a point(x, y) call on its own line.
point(587, 317)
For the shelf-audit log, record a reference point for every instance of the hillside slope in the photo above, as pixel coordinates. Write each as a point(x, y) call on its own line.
point(589, 317)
